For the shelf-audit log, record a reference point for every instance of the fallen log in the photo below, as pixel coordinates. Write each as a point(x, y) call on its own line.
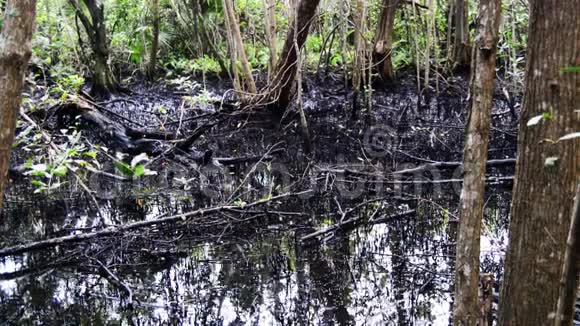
point(116, 230)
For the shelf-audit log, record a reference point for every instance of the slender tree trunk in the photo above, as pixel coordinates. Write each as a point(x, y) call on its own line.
point(571, 269)
point(460, 51)
point(155, 42)
point(103, 79)
point(237, 48)
point(384, 39)
point(546, 171)
point(270, 11)
point(466, 308)
point(15, 52)
point(358, 69)
point(282, 88)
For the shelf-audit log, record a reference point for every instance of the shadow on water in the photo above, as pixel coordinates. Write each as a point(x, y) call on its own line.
point(391, 264)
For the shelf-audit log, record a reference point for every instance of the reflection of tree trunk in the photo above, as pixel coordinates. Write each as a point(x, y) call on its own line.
point(466, 308)
point(103, 80)
point(15, 51)
point(384, 39)
point(282, 90)
point(237, 51)
point(460, 52)
point(399, 263)
point(332, 280)
point(546, 172)
point(155, 41)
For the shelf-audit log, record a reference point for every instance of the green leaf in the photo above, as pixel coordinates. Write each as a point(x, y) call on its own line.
point(124, 168)
point(547, 115)
point(92, 155)
point(139, 171)
point(37, 183)
point(60, 171)
point(571, 69)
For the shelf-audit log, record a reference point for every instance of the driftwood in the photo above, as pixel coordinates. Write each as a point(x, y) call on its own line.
point(117, 230)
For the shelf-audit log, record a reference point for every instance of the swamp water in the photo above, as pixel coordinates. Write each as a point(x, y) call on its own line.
point(363, 248)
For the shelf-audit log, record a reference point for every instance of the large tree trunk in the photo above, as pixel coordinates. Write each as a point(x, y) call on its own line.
point(384, 39)
point(282, 88)
point(237, 52)
point(460, 49)
point(466, 308)
point(155, 41)
point(546, 171)
point(15, 51)
point(103, 79)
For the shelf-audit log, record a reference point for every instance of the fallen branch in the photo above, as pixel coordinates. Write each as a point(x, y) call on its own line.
point(116, 230)
point(440, 165)
point(351, 223)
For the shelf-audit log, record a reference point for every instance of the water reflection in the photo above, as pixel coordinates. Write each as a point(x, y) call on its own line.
point(395, 273)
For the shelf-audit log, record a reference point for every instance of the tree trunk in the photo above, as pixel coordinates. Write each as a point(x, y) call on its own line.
point(155, 42)
point(103, 79)
point(466, 308)
point(460, 52)
point(15, 51)
point(384, 39)
point(282, 88)
point(546, 171)
point(570, 270)
point(359, 62)
point(270, 10)
point(238, 53)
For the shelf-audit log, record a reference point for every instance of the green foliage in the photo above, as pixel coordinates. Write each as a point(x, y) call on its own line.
point(135, 169)
point(50, 172)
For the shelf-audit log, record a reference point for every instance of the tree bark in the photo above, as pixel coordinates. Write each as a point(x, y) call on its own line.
point(466, 308)
point(15, 52)
point(546, 171)
point(384, 39)
point(571, 269)
point(270, 10)
point(359, 62)
point(238, 53)
point(155, 42)
point(460, 52)
point(103, 79)
point(282, 88)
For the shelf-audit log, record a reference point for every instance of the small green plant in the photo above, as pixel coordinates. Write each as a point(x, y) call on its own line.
point(68, 85)
point(205, 64)
point(49, 173)
point(135, 169)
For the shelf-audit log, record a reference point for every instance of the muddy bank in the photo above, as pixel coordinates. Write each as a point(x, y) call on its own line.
point(367, 243)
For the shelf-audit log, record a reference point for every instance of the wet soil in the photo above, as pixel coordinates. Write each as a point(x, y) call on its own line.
point(363, 246)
